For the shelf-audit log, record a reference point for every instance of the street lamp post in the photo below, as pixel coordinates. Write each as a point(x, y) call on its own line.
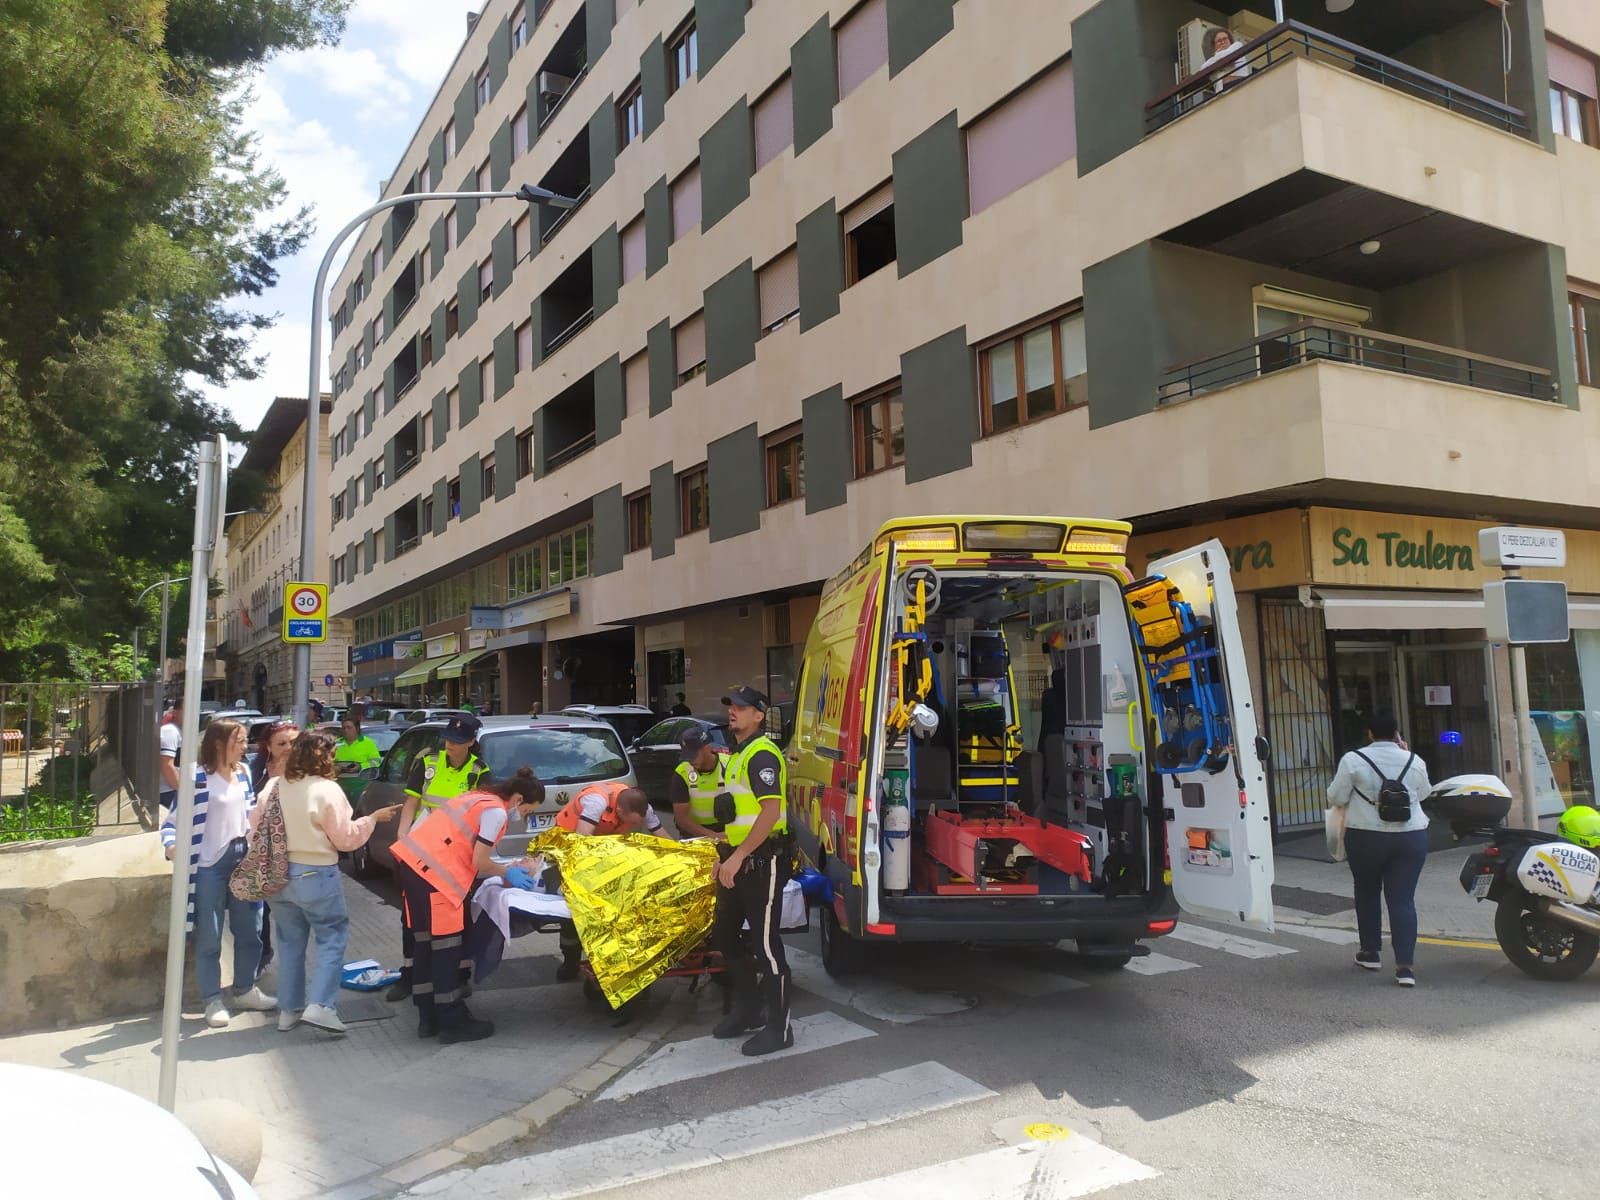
point(166, 594)
point(308, 505)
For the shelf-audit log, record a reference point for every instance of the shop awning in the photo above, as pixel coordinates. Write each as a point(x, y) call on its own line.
point(1349, 608)
point(417, 675)
point(454, 668)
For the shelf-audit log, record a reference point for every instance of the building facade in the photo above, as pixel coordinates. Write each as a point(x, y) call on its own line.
point(263, 554)
point(835, 261)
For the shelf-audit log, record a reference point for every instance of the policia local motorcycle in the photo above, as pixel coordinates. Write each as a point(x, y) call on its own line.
point(1546, 887)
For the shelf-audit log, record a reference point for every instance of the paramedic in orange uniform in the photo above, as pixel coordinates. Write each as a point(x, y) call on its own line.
point(601, 808)
point(437, 864)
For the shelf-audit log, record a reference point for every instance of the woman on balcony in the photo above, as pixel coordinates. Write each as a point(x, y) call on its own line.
point(1220, 46)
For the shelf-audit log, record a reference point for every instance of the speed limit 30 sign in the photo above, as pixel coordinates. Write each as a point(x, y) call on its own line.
point(305, 612)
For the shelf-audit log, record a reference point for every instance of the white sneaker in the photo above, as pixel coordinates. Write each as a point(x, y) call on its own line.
point(324, 1018)
point(255, 1000)
point(287, 1021)
point(217, 1015)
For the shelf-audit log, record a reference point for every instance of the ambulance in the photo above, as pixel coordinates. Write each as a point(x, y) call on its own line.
point(1001, 735)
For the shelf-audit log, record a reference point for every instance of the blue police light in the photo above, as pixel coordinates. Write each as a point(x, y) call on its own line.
point(1450, 738)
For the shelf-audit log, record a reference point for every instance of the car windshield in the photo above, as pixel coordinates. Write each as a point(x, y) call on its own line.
point(383, 738)
point(557, 756)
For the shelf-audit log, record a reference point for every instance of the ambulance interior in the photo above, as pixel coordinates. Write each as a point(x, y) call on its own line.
point(1012, 763)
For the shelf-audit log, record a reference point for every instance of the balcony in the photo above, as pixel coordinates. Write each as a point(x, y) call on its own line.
point(406, 371)
point(567, 176)
point(564, 428)
point(563, 68)
point(407, 447)
point(1335, 342)
point(1291, 40)
point(566, 307)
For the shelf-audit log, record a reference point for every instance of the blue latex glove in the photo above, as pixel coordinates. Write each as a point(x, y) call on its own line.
point(518, 877)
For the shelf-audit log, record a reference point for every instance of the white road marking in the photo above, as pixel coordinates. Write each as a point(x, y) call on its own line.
point(633, 1158)
point(1056, 1170)
point(1228, 943)
point(1159, 964)
point(1337, 937)
point(702, 1056)
point(872, 997)
point(1030, 981)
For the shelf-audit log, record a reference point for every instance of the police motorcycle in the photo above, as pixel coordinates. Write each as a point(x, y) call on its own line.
point(1546, 887)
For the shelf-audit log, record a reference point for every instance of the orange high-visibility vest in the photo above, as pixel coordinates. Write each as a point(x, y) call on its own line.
point(609, 822)
point(442, 848)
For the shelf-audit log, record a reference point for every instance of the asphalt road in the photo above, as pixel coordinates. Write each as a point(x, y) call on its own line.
point(1268, 1066)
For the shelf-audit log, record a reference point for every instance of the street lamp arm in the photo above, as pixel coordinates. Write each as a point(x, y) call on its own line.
point(308, 505)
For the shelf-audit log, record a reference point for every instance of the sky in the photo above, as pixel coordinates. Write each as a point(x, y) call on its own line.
point(334, 121)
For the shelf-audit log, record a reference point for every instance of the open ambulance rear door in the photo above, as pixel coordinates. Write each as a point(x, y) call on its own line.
point(1219, 823)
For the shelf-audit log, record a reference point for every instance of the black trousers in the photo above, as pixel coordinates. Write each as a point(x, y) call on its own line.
point(437, 942)
point(408, 945)
point(757, 898)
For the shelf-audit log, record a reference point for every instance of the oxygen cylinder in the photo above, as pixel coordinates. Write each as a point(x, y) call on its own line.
point(896, 847)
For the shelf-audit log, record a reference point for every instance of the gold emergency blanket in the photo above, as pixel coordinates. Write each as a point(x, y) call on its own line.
point(640, 903)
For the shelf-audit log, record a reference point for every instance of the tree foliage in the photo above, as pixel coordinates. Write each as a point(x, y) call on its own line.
point(137, 217)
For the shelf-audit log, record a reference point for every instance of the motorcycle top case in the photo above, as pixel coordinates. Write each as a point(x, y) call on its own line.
point(1560, 871)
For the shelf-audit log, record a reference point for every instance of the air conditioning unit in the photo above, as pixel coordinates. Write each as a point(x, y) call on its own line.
point(553, 86)
point(1192, 46)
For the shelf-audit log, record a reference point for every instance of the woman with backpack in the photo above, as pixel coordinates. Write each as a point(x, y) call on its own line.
point(1386, 841)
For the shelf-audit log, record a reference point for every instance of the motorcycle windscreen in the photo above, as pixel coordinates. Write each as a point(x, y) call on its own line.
point(1219, 822)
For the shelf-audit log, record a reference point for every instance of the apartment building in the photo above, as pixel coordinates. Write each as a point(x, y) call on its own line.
point(263, 554)
point(1336, 302)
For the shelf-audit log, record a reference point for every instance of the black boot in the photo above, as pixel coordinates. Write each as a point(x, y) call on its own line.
point(571, 957)
point(399, 990)
point(746, 1014)
point(428, 1025)
point(777, 1035)
point(464, 1028)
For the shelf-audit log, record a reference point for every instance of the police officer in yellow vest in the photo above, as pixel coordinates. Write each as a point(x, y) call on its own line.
point(695, 784)
point(433, 779)
point(751, 878)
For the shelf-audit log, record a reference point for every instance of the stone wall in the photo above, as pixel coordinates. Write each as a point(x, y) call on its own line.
point(83, 927)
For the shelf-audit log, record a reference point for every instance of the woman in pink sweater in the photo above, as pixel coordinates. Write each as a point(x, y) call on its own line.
point(319, 824)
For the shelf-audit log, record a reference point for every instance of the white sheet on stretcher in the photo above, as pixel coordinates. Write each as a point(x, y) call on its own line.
point(500, 901)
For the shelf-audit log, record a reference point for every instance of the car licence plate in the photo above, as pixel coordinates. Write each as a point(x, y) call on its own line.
point(543, 821)
point(1481, 885)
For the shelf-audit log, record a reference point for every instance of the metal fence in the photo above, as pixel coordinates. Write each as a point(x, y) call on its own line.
point(78, 758)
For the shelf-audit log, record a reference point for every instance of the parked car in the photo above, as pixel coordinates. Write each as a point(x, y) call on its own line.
point(355, 782)
point(416, 716)
point(629, 720)
point(654, 753)
point(565, 752)
point(243, 715)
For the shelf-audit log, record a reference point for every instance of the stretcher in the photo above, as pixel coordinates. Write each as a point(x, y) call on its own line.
point(1182, 661)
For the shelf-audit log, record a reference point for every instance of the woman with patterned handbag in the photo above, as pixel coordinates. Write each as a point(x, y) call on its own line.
point(311, 908)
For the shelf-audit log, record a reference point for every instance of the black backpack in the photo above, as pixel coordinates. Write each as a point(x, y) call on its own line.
point(1393, 800)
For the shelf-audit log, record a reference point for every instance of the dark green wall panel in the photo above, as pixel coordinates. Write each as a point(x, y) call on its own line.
point(441, 506)
point(727, 161)
point(388, 538)
point(941, 406)
point(436, 162)
point(466, 110)
point(610, 406)
point(657, 226)
point(505, 361)
point(736, 477)
point(504, 250)
point(718, 24)
point(733, 322)
point(471, 487)
point(930, 195)
point(469, 388)
point(602, 143)
point(441, 420)
point(830, 454)
point(816, 84)
point(369, 551)
point(605, 261)
point(610, 541)
point(653, 85)
point(819, 245)
point(500, 157)
point(499, 55)
point(505, 465)
point(440, 338)
point(466, 210)
point(467, 300)
point(663, 367)
point(600, 16)
point(437, 247)
point(914, 26)
point(663, 511)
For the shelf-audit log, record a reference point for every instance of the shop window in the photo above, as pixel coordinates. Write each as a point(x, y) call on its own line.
point(1573, 93)
point(683, 57)
point(630, 115)
point(774, 121)
point(519, 133)
point(1033, 374)
point(694, 501)
point(524, 346)
point(878, 422)
point(786, 468)
point(639, 521)
point(869, 243)
point(1584, 313)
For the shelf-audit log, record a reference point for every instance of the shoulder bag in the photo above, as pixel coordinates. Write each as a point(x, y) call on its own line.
point(263, 872)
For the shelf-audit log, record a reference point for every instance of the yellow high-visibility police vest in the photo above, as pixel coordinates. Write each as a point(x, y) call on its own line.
point(746, 806)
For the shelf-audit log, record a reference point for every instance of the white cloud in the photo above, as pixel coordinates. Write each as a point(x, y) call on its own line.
point(355, 74)
point(420, 37)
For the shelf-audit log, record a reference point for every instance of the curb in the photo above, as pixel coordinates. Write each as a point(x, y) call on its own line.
point(523, 1122)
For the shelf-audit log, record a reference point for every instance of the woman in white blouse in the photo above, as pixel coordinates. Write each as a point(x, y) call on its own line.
point(1220, 46)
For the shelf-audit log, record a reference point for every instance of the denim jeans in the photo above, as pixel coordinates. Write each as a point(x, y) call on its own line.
point(310, 909)
point(212, 902)
point(1386, 867)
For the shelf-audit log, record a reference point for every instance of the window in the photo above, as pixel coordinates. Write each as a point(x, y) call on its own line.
point(633, 246)
point(1573, 93)
point(519, 133)
point(869, 243)
point(423, 426)
point(380, 402)
point(452, 401)
point(779, 285)
point(485, 176)
point(485, 89)
point(880, 432)
point(486, 280)
point(427, 346)
point(1033, 374)
point(638, 521)
point(689, 348)
point(525, 572)
point(486, 379)
point(519, 28)
point(451, 234)
point(424, 178)
point(522, 237)
point(786, 468)
point(686, 202)
point(1033, 132)
point(488, 477)
point(774, 122)
point(338, 507)
point(454, 492)
point(377, 474)
point(683, 57)
point(636, 384)
point(449, 140)
point(524, 346)
point(377, 328)
point(452, 319)
point(524, 454)
point(1585, 315)
point(340, 569)
point(694, 501)
point(426, 525)
point(862, 44)
point(377, 260)
point(630, 115)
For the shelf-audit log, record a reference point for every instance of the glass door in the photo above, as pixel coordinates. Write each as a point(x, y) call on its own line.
point(1449, 716)
point(1365, 677)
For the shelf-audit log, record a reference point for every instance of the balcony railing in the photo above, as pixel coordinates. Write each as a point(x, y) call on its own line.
point(1328, 341)
point(406, 464)
point(550, 113)
point(567, 453)
point(1294, 40)
point(578, 202)
point(406, 545)
point(567, 334)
